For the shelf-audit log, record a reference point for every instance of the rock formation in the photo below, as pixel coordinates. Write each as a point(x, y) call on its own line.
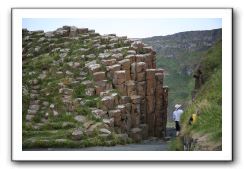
point(116, 73)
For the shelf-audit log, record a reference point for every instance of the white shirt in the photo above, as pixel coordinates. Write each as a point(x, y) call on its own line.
point(177, 114)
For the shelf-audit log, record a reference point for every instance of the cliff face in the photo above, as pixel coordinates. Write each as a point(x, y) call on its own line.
point(83, 89)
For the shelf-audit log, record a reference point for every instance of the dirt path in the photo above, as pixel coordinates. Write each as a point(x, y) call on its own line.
point(146, 145)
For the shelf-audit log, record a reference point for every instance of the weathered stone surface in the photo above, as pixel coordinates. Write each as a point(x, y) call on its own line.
point(119, 77)
point(144, 131)
point(94, 68)
point(109, 122)
point(99, 113)
point(125, 64)
point(141, 88)
point(116, 114)
point(124, 100)
point(122, 109)
point(87, 83)
point(135, 99)
point(77, 134)
point(98, 76)
point(105, 131)
point(159, 77)
point(111, 69)
point(29, 117)
point(141, 76)
point(34, 107)
point(121, 88)
point(104, 55)
point(107, 103)
point(150, 74)
point(117, 56)
point(131, 52)
point(140, 58)
point(90, 91)
point(93, 127)
point(132, 58)
point(102, 86)
point(150, 104)
point(82, 30)
point(151, 87)
point(124, 78)
point(108, 62)
point(136, 134)
point(80, 118)
point(116, 98)
point(130, 87)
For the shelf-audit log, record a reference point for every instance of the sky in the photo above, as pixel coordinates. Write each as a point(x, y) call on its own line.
point(132, 28)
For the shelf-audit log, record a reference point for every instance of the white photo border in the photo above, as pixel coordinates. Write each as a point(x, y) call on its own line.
point(227, 111)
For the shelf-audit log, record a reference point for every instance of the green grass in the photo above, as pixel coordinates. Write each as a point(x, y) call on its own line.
point(208, 102)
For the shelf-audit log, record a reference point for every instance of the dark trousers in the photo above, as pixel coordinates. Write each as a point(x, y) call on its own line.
point(177, 125)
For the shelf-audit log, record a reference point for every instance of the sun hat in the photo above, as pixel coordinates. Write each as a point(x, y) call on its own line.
point(177, 106)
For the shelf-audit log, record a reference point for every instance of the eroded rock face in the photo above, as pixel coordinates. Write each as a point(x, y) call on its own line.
point(118, 78)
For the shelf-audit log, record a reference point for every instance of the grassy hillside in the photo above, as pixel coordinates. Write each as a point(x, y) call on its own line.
point(206, 132)
point(179, 54)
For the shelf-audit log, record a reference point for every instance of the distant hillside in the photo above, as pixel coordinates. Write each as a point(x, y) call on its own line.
point(206, 132)
point(179, 54)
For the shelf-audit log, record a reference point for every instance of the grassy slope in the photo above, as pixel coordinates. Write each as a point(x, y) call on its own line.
point(208, 104)
point(178, 54)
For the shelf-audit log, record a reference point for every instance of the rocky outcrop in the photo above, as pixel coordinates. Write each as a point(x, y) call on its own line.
point(117, 74)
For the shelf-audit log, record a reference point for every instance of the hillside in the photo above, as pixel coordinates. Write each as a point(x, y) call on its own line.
point(179, 54)
point(206, 132)
point(84, 89)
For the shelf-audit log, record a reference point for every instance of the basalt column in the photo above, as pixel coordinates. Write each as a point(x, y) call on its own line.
point(165, 105)
point(150, 100)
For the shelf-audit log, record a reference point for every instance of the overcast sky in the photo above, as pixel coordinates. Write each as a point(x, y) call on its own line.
point(132, 28)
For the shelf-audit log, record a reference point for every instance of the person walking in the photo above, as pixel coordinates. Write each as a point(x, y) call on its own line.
point(176, 117)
